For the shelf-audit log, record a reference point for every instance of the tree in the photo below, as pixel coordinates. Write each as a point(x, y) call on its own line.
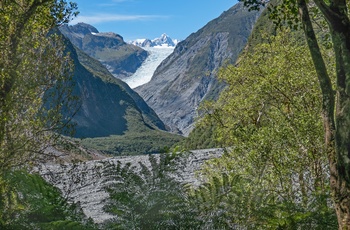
point(276, 169)
point(335, 97)
point(35, 74)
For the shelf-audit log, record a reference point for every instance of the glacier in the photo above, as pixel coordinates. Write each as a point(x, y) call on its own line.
point(145, 72)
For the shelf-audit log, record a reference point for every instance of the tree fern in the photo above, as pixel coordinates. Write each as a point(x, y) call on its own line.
point(146, 196)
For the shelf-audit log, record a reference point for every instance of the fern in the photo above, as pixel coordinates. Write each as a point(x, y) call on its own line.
point(145, 196)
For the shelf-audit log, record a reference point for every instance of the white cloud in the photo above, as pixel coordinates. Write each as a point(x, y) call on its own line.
point(100, 18)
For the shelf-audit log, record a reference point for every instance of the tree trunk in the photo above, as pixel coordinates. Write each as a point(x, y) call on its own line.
point(341, 189)
point(339, 25)
point(337, 129)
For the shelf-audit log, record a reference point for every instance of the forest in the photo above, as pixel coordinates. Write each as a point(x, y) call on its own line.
point(283, 119)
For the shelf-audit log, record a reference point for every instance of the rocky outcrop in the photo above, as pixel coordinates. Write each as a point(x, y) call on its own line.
point(188, 75)
point(121, 59)
point(84, 183)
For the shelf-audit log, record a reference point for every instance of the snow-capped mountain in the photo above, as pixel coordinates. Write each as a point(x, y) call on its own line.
point(163, 41)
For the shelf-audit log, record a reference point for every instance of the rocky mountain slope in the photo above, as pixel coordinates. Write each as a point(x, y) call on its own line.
point(204, 135)
point(107, 105)
point(121, 59)
point(188, 75)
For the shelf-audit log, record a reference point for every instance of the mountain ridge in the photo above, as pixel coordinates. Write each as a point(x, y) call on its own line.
point(120, 58)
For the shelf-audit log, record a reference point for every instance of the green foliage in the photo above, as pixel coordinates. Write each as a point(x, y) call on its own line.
point(269, 114)
point(231, 201)
point(201, 137)
point(33, 64)
point(35, 72)
point(28, 202)
point(222, 202)
point(147, 196)
point(335, 103)
point(133, 143)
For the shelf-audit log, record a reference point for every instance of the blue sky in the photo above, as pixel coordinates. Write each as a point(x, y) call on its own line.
point(134, 19)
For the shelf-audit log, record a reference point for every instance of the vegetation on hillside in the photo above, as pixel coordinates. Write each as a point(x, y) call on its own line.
point(201, 137)
point(133, 143)
point(29, 202)
point(136, 140)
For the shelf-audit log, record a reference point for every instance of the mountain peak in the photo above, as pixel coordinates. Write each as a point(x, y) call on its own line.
point(163, 41)
point(80, 29)
point(164, 35)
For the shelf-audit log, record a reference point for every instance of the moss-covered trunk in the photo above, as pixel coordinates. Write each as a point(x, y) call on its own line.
point(341, 188)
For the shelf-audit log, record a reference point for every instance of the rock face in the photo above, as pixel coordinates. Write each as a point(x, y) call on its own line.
point(84, 183)
point(121, 59)
point(106, 104)
point(188, 75)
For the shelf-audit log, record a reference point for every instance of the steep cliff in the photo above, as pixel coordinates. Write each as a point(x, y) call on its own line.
point(188, 75)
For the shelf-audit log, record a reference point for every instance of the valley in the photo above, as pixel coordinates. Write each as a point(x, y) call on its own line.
point(221, 130)
point(173, 80)
point(137, 103)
